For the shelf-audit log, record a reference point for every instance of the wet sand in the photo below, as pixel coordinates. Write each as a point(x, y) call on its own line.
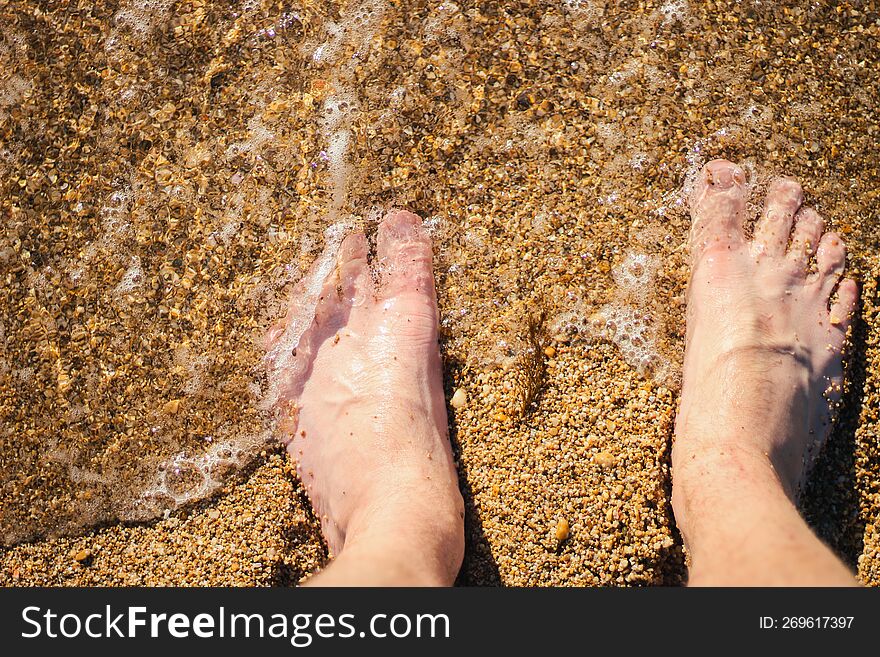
point(166, 174)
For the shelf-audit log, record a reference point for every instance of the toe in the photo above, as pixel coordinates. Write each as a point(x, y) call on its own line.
point(783, 200)
point(404, 254)
point(353, 248)
point(717, 205)
point(329, 300)
point(274, 334)
point(831, 258)
point(354, 272)
point(842, 310)
point(302, 295)
point(808, 227)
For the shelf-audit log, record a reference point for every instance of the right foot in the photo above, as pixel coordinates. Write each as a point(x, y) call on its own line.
point(763, 365)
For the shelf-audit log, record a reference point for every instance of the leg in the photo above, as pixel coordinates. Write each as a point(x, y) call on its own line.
point(762, 373)
point(364, 418)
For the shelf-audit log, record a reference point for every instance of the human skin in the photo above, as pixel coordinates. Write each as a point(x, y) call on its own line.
point(762, 376)
point(364, 416)
point(363, 413)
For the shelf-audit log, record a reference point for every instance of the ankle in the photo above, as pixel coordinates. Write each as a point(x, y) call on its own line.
point(713, 484)
point(420, 535)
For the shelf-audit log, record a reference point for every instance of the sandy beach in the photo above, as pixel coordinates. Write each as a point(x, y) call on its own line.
point(170, 169)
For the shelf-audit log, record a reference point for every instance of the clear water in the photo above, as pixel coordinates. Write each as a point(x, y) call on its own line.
point(171, 170)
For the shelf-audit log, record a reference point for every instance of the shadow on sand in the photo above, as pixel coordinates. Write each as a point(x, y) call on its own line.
point(479, 567)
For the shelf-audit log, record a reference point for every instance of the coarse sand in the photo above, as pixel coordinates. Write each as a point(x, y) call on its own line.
point(168, 169)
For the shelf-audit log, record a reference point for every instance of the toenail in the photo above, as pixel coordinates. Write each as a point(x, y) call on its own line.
point(723, 177)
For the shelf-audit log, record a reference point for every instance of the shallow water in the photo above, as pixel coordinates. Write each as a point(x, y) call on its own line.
point(169, 169)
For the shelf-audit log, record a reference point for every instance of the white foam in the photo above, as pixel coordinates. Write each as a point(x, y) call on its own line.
point(627, 322)
point(132, 279)
point(24, 374)
point(194, 365)
point(674, 10)
point(757, 116)
point(258, 137)
point(518, 132)
point(115, 229)
point(584, 9)
point(635, 275)
point(574, 320)
point(136, 20)
point(336, 124)
point(83, 476)
point(634, 333)
point(354, 33)
point(13, 87)
point(438, 25)
point(638, 160)
point(184, 478)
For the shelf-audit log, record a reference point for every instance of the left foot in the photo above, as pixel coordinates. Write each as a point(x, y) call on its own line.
point(362, 408)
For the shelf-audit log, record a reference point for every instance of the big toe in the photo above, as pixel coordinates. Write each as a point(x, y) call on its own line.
point(404, 253)
point(717, 203)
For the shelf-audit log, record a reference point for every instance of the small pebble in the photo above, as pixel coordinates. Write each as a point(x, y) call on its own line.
point(459, 399)
point(187, 301)
point(562, 530)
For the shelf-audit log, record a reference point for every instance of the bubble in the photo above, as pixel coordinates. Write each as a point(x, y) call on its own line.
point(636, 273)
point(674, 11)
point(638, 160)
point(183, 479)
point(13, 87)
point(132, 278)
point(259, 136)
point(634, 334)
point(134, 22)
point(584, 9)
point(194, 366)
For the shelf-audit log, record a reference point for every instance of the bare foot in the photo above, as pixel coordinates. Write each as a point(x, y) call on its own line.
point(763, 366)
point(763, 357)
point(363, 413)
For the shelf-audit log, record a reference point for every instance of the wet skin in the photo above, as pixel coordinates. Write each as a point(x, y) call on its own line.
point(363, 416)
point(763, 342)
point(762, 377)
point(362, 405)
